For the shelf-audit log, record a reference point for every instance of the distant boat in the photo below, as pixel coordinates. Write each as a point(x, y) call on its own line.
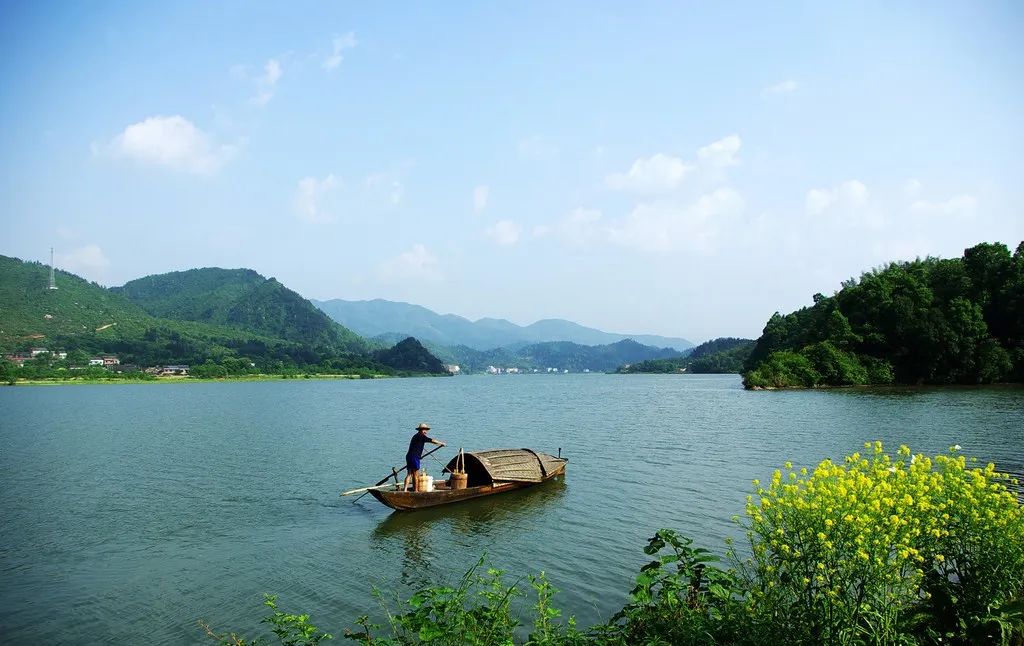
point(488, 472)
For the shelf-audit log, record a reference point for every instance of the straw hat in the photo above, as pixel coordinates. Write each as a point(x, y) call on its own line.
point(423, 427)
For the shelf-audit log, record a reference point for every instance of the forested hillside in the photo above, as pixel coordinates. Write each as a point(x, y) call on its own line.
point(239, 298)
point(930, 321)
point(718, 356)
point(230, 322)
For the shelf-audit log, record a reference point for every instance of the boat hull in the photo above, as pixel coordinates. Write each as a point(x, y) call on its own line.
point(413, 500)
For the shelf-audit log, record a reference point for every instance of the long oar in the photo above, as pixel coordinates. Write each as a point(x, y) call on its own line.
point(392, 474)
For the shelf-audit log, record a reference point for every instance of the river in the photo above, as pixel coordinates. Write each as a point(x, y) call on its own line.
point(129, 512)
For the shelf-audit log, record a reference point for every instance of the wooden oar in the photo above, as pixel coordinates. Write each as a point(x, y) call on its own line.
point(385, 478)
point(366, 489)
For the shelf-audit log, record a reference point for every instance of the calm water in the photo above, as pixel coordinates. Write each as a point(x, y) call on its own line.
point(129, 512)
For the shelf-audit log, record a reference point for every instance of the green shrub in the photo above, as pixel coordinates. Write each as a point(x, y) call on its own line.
point(681, 597)
point(836, 367)
point(783, 369)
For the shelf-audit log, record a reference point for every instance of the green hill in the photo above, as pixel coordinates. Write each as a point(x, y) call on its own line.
point(250, 324)
point(30, 313)
point(410, 355)
point(241, 299)
point(929, 321)
point(718, 356)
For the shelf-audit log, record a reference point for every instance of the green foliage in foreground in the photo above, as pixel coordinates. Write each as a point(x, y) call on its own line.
point(878, 549)
point(928, 321)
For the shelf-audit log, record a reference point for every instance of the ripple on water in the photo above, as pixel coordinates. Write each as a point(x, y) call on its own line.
point(137, 510)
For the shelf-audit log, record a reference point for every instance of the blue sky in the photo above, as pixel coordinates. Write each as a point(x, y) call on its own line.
point(674, 168)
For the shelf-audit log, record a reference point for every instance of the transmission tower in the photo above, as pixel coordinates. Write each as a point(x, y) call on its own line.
point(53, 283)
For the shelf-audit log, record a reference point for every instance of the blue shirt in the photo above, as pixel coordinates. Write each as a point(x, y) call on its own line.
point(416, 444)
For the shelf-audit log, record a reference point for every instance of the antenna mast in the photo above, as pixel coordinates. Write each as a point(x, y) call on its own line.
point(53, 283)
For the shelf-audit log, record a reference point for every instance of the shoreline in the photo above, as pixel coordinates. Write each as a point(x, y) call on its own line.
point(188, 379)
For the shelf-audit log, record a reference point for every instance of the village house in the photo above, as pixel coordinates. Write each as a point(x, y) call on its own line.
point(19, 358)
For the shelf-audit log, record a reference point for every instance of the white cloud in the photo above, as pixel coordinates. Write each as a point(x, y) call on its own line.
point(504, 232)
point(959, 205)
point(417, 264)
point(174, 142)
point(309, 198)
point(266, 84)
point(720, 153)
point(784, 87)
point(851, 194)
point(340, 44)
point(655, 174)
point(88, 261)
point(480, 196)
point(665, 226)
point(537, 148)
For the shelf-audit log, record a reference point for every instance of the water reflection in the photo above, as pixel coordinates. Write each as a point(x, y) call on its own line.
point(424, 534)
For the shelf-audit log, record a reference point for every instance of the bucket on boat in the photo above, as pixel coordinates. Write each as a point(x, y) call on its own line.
point(423, 482)
point(459, 478)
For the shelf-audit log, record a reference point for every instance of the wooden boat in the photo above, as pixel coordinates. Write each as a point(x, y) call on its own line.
point(489, 472)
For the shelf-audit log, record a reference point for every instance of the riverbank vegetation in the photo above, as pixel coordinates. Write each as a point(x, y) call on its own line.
point(878, 548)
point(930, 321)
point(719, 356)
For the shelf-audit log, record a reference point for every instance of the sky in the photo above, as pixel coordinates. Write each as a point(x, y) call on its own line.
point(678, 168)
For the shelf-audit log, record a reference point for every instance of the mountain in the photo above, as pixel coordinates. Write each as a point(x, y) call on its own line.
point(232, 318)
point(241, 299)
point(376, 317)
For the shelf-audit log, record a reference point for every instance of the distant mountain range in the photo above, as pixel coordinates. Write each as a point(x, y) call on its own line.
point(392, 319)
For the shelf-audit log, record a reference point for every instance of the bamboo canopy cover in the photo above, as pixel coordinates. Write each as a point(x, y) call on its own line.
point(508, 465)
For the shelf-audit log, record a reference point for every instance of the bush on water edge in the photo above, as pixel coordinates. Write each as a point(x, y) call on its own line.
point(875, 549)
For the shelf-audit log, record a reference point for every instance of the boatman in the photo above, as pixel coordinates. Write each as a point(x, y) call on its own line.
point(412, 457)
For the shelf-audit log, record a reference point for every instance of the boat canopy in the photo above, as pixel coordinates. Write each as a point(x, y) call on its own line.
point(507, 465)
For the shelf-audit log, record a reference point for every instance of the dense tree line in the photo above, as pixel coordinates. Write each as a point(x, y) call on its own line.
point(927, 321)
point(562, 355)
point(719, 356)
